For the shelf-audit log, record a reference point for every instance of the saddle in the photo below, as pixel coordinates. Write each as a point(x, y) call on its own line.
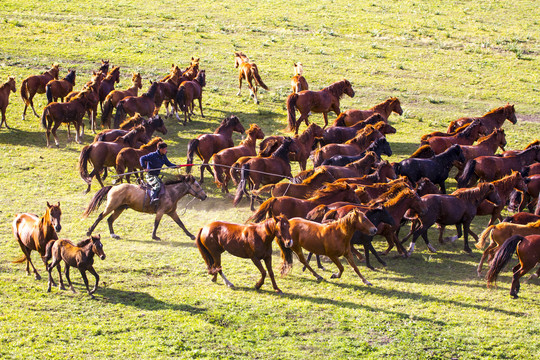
point(148, 190)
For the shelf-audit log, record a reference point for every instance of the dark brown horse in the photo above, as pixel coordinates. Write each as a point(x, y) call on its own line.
point(34, 233)
point(225, 158)
point(167, 89)
point(528, 252)
point(351, 117)
point(207, 145)
point(107, 85)
point(93, 85)
point(80, 256)
point(35, 84)
point(491, 120)
point(332, 239)
point(466, 137)
point(128, 158)
point(248, 71)
point(5, 89)
point(113, 98)
point(144, 105)
point(129, 196)
point(59, 89)
point(251, 241)
point(322, 101)
point(103, 154)
point(298, 81)
point(188, 92)
point(73, 111)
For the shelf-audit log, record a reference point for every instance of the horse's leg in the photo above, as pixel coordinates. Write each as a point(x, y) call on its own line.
point(61, 281)
point(319, 264)
point(99, 218)
point(77, 128)
point(200, 106)
point(66, 272)
point(30, 98)
point(53, 131)
point(240, 76)
point(301, 258)
point(357, 253)
point(368, 247)
point(484, 256)
point(4, 121)
point(268, 263)
point(522, 270)
point(217, 266)
point(177, 220)
point(93, 272)
point(85, 279)
point(466, 230)
point(110, 220)
point(350, 260)
point(26, 251)
point(53, 264)
point(325, 115)
point(443, 187)
point(259, 266)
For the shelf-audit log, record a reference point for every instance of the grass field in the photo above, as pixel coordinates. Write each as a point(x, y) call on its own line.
point(442, 60)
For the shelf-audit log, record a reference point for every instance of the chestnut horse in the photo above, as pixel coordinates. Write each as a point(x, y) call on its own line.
point(129, 196)
point(207, 145)
point(34, 233)
point(337, 134)
point(515, 152)
point(167, 89)
point(93, 85)
point(248, 71)
point(528, 252)
point(332, 239)
point(322, 101)
point(128, 158)
point(491, 120)
point(224, 159)
point(466, 137)
point(251, 241)
point(59, 89)
point(151, 125)
point(144, 105)
point(4, 98)
point(113, 98)
point(107, 85)
point(188, 92)
point(379, 147)
point(80, 256)
point(298, 82)
point(35, 84)
point(351, 117)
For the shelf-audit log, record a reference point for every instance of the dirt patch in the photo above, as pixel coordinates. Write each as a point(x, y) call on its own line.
point(530, 118)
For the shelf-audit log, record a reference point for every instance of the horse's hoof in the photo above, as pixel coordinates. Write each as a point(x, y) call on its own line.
point(157, 238)
point(431, 248)
point(192, 237)
point(114, 236)
point(231, 286)
point(279, 292)
point(368, 283)
point(479, 274)
point(38, 277)
point(319, 279)
point(334, 276)
point(468, 250)
point(62, 287)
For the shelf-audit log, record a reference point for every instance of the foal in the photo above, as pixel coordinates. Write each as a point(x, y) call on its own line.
point(5, 89)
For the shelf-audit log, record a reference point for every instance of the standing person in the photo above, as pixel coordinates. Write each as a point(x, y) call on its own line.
point(152, 163)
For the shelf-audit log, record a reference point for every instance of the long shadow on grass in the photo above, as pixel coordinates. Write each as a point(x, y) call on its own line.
point(37, 138)
point(143, 301)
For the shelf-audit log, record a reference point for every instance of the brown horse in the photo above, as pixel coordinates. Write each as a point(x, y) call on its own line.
point(248, 71)
point(113, 98)
point(303, 142)
point(515, 152)
point(167, 89)
point(188, 92)
point(207, 145)
point(34, 233)
point(80, 256)
point(4, 98)
point(298, 82)
point(486, 146)
point(93, 85)
point(491, 120)
point(103, 154)
point(128, 158)
point(224, 159)
point(337, 134)
point(129, 196)
point(59, 89)
point(293, 207)
point(251, 241)
point(73, 111)
point(332, 239)
point(35, 84)
point(150, 126)
point(357, 168)
point(322, 101)
point(528, 251)
point(144, 105)
point(351, 117)
point(107, 85)
point(466, 137)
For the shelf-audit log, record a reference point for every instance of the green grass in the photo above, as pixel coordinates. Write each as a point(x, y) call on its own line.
point(442, 60)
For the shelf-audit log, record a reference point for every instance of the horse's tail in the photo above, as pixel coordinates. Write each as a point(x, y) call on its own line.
point(264, 211)
point(48, 92)
point(265, 189)
point(48, 250)
point(181, 98)
point(286, 258)
point(502, 256)
point(106, 113)
point(241, 184)
point(258, 78)
point(44, 117)
point(291, 112)
point(483, 237)
point(192, 146)
point(96, 201)
point(207, 256)
point(468, 172)
point(120, 114)
point(83, 163)
point(24, 92)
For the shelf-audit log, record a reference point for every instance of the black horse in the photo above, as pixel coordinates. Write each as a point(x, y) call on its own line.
point(435, 168)
point(379, 147)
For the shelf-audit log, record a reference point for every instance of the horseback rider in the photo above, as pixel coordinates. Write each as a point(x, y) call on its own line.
point(152, 163)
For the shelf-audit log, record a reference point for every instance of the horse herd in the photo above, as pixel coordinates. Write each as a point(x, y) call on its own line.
point(349, 196)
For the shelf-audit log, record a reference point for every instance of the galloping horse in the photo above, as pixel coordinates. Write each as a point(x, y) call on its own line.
point(113, 98)
point(298, 81)
point(151, 125)
point(379, 147)
point(124, 196)
point(486, 146)
point(466, 137)
point(248, 70)
point(34, 233)
point(167, 89)
point(188, 92)
point(338, 134)
point(80, 256)
point(332, 239)
point(93, 98)
point(528, 251)
point(35, 84)
point(515, 152)
point(207, 145)
point(351, 117)
point(252, 241)
point(107, 85)
point(4, 98)
point(144, 105)
point(322, 101)
point(491, 120)
point(59, 89)
point(301, 191)
point(225, 158)
point(128, 158)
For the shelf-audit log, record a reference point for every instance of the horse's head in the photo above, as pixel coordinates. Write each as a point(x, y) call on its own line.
point(282, 230)
point(234, 121)
point(491, 193)
point(510, 113)
point(158, 124)
point(385, 128)
point(458, 153)
point(11, 84)
point(385, 148)
point(418, 205)
point(315, 130)
point(396, 106)
point(201, 78)
point(97, 246)
point(501, 138)
point(238, 59)
point(519, 181)
point(255, 131)
point(386, 171)
point(136, 79)
point(194, 188)
point(347, 89)
point(54, 214)
point(115, 74)
point(378, 213)
point(425, 186)
point(104, 66)
point(362, 223)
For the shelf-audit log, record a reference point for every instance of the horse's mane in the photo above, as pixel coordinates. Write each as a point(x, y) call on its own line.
point(336, 88)
point(135, 119)
point(152, 90)
point(465, 133)
point(131, 134)
point(253, 128)
point(241, 55)
point(70, 77)
point(487, 137)
point(507, 181)
point(329, 190)
point(308, 132)
point(498, 110)
point(380, 125)
point(395, 195)
point(448, 153)
point(282, 151)
point(83, 243)
point(314, 176)
point(180, 178)
point(201, 78)
point(528, 150)
point(532, 143)
point(227, 122)
point(13, 78)
point(469, 194)
point(385, 103)
point(369, 156)
point(111, 73)
point(362, 133)
point(151, 143)
point(535, 224)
